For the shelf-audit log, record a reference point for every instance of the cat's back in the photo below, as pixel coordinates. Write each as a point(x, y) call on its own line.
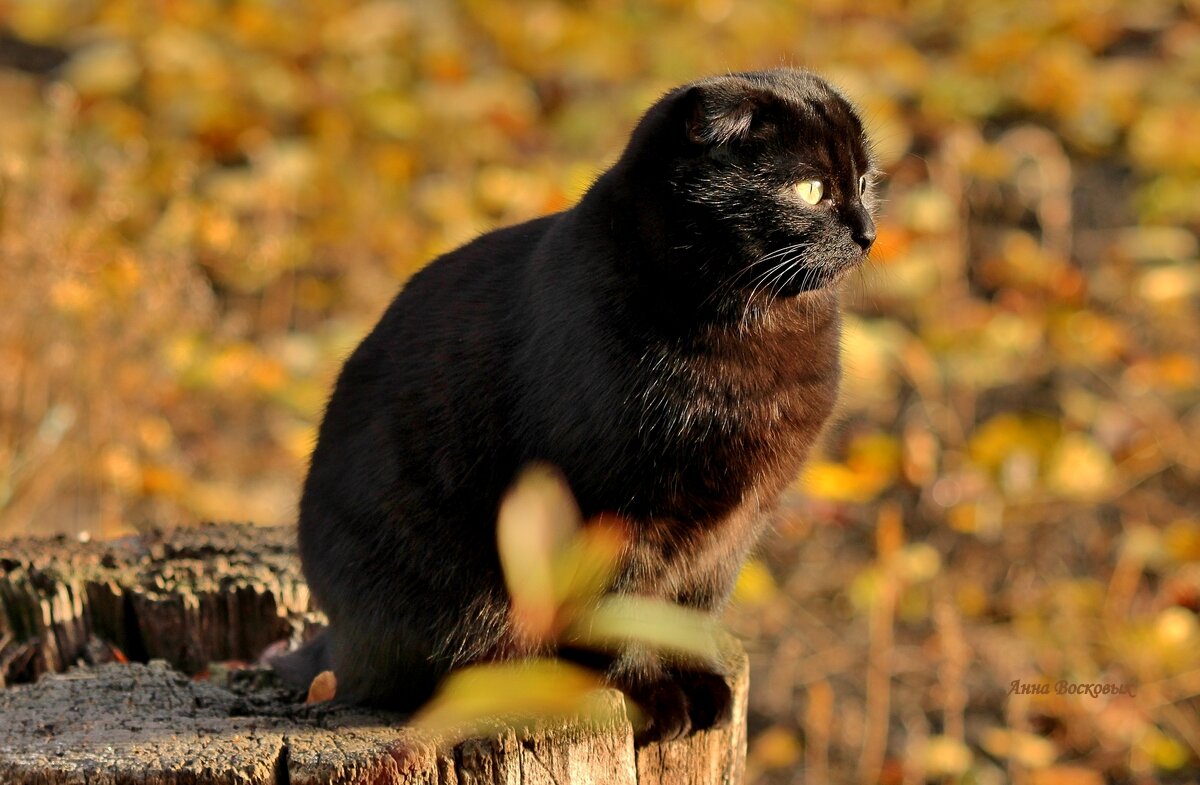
point(449, 326)
point(471, 282)
point(426, 387)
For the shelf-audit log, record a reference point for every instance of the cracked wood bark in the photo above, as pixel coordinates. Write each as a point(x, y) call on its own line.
point(191, 596)
point(224, 592)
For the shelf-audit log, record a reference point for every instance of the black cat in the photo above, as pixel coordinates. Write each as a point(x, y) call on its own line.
point(670, 344)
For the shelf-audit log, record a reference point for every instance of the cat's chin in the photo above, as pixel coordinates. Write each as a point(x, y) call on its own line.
point(824, 278)
point(839, 274)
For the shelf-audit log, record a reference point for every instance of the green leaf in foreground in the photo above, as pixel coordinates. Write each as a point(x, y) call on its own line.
point(472, 700)
point(538, 518)
point(586, 566)
point(618, 620)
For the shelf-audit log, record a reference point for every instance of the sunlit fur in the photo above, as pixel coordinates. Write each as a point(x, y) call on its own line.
point(670, 344)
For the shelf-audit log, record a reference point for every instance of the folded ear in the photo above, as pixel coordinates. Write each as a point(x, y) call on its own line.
point(723, 111)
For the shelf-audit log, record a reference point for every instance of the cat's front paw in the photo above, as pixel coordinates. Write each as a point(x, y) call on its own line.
point(662, 710)
point(709, 699)
point(677, 703)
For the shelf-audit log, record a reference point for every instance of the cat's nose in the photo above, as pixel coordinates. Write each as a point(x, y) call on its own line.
point(864, 236)
point(861, 227)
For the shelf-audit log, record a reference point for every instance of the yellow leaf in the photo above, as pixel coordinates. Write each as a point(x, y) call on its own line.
point(867, 588)
point(830, 481)
point(971, 599)
point(1176, 627)
point(511, 691)
point(994, 442)
point(537, 520)
point(120, 467)
point(154, 433)
point(323, 688)
point(874, 453)
point(1181, 540)
point(1091, 338)
point(946, 757)
point(1144, 543)
point(1079, 468)
point(1162, 138)
point(1176, 283)
point(775, 748)
point(267, 374)
point(392, 114)
point(889, 532)
point(41, 20)
point(1166, 753)
point(1178, 371)
point(233, 364)
point(754, 586)
point(373, 25)
point(162, 481)
point(584, 568)
point(919, 562)
point(104, 68)
point(621, 619)
point(1024, 748)
point(71, 295)
point(838, 482)
point(931, 210)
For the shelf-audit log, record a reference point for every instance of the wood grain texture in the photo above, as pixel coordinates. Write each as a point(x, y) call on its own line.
point(152, 725)
point(189, 597)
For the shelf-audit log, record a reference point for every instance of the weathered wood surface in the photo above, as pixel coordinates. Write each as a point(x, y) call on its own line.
point(151, 725)
point(190, 596)
point(194, 596)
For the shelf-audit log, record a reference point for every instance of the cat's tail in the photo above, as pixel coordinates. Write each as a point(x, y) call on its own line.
point(298, 668)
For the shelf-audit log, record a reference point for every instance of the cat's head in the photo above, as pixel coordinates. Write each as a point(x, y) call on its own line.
point(769, 178)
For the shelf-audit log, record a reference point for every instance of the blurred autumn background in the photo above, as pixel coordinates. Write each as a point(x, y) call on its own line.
point(204, 205)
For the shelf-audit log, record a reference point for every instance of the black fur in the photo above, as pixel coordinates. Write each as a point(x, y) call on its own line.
point(670, 344)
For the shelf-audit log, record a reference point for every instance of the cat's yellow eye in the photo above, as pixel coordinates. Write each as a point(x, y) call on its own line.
point(810, 191)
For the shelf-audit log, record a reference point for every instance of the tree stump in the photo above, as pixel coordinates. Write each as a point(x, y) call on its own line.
point(225, 592)
point(190, 597)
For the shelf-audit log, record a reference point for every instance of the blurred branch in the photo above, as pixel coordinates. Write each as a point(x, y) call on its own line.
point(31, 58)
